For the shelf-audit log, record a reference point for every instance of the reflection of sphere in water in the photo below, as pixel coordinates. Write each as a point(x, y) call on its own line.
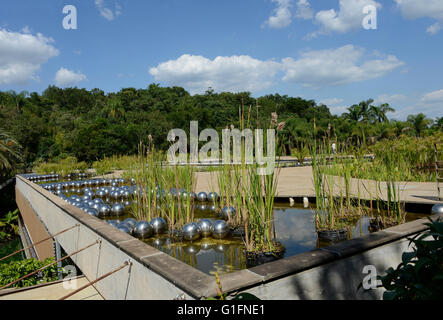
point(118, 209)
point(191, 249)
point(206, 227)
point(212, 208)
point(159, 242)
point(159, 225)
point(91, 212)
point(143, 230)
point(104, 210)
point(127, 204)
point(202, 197)
point(206, 245)
point(191, 231)
point(220, 229)
point(202, 207)
point(228, 212)
point(219, 248)
point(213, 196)
point(124, 228)
point(437, 208)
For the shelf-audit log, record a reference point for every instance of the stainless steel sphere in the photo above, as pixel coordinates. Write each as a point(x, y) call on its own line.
point(220, 230)
point(192, 195)
point(130, 222)
point(206, 226)
point(104, 210)
point(202, 197)
point(101, 193)
point(159, 225)
point(118, 209)
point(91, 212)
point(213, 196)
point(173, 192)
point(124, 228)
point(113, 223)
point(191, 231)
point(437, 208)
point(228, 212)
point(89, 193)
point(143, 230)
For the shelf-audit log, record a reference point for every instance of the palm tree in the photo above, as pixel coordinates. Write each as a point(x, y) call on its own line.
point(438, 123)
point(419, 122)
point(378, 113)
point(354, 113)
point(9, 151)
point(365, 107)
point(19, 99)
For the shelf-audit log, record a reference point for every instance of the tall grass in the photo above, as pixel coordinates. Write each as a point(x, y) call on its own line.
point(62, 167)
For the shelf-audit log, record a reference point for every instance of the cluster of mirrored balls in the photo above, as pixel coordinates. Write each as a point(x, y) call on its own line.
point(111, 198)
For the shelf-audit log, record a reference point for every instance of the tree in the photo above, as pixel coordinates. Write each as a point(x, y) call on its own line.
point(419, 123)
point(19, 99)
point(9, 151)
point(378, 113)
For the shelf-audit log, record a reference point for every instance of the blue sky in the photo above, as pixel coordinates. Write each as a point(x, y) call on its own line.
point(314, 49)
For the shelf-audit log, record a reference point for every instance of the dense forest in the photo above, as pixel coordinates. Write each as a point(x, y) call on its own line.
point(90, 125)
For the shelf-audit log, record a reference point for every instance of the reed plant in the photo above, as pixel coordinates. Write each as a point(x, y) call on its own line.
point(162, 191)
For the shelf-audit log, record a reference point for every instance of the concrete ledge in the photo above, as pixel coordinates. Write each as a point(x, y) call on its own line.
point(182, 275)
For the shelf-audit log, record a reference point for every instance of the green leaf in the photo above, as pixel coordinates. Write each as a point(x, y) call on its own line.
point(408, 256)
point(389, 295)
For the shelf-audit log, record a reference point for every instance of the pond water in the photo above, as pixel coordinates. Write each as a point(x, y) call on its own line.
point(294, 229)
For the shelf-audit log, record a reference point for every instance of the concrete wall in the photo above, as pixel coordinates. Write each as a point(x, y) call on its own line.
point(329, 273)
point(137, 282)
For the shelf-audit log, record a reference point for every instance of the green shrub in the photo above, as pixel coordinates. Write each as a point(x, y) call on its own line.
point(8, 226)
point(420, 275)
point(15, 270)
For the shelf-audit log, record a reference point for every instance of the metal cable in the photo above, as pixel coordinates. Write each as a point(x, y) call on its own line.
point(42, 268)
point(127, 263)
point(39, 242)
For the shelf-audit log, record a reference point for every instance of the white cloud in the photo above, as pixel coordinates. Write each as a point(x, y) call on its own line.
point(282, 16)
point(434, 29)
point(337, 66)
point(304, 10)
point(235, 73)
point(391, 99)
point(68, 78)
point(22, 54)
point(107, 13)
point(348, 18)
point(338, 110)
point(332, 101)
point(316, 69)
point(415, 9)
point(433, 97)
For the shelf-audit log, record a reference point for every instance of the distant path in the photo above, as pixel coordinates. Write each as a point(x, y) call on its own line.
point(297, 182)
